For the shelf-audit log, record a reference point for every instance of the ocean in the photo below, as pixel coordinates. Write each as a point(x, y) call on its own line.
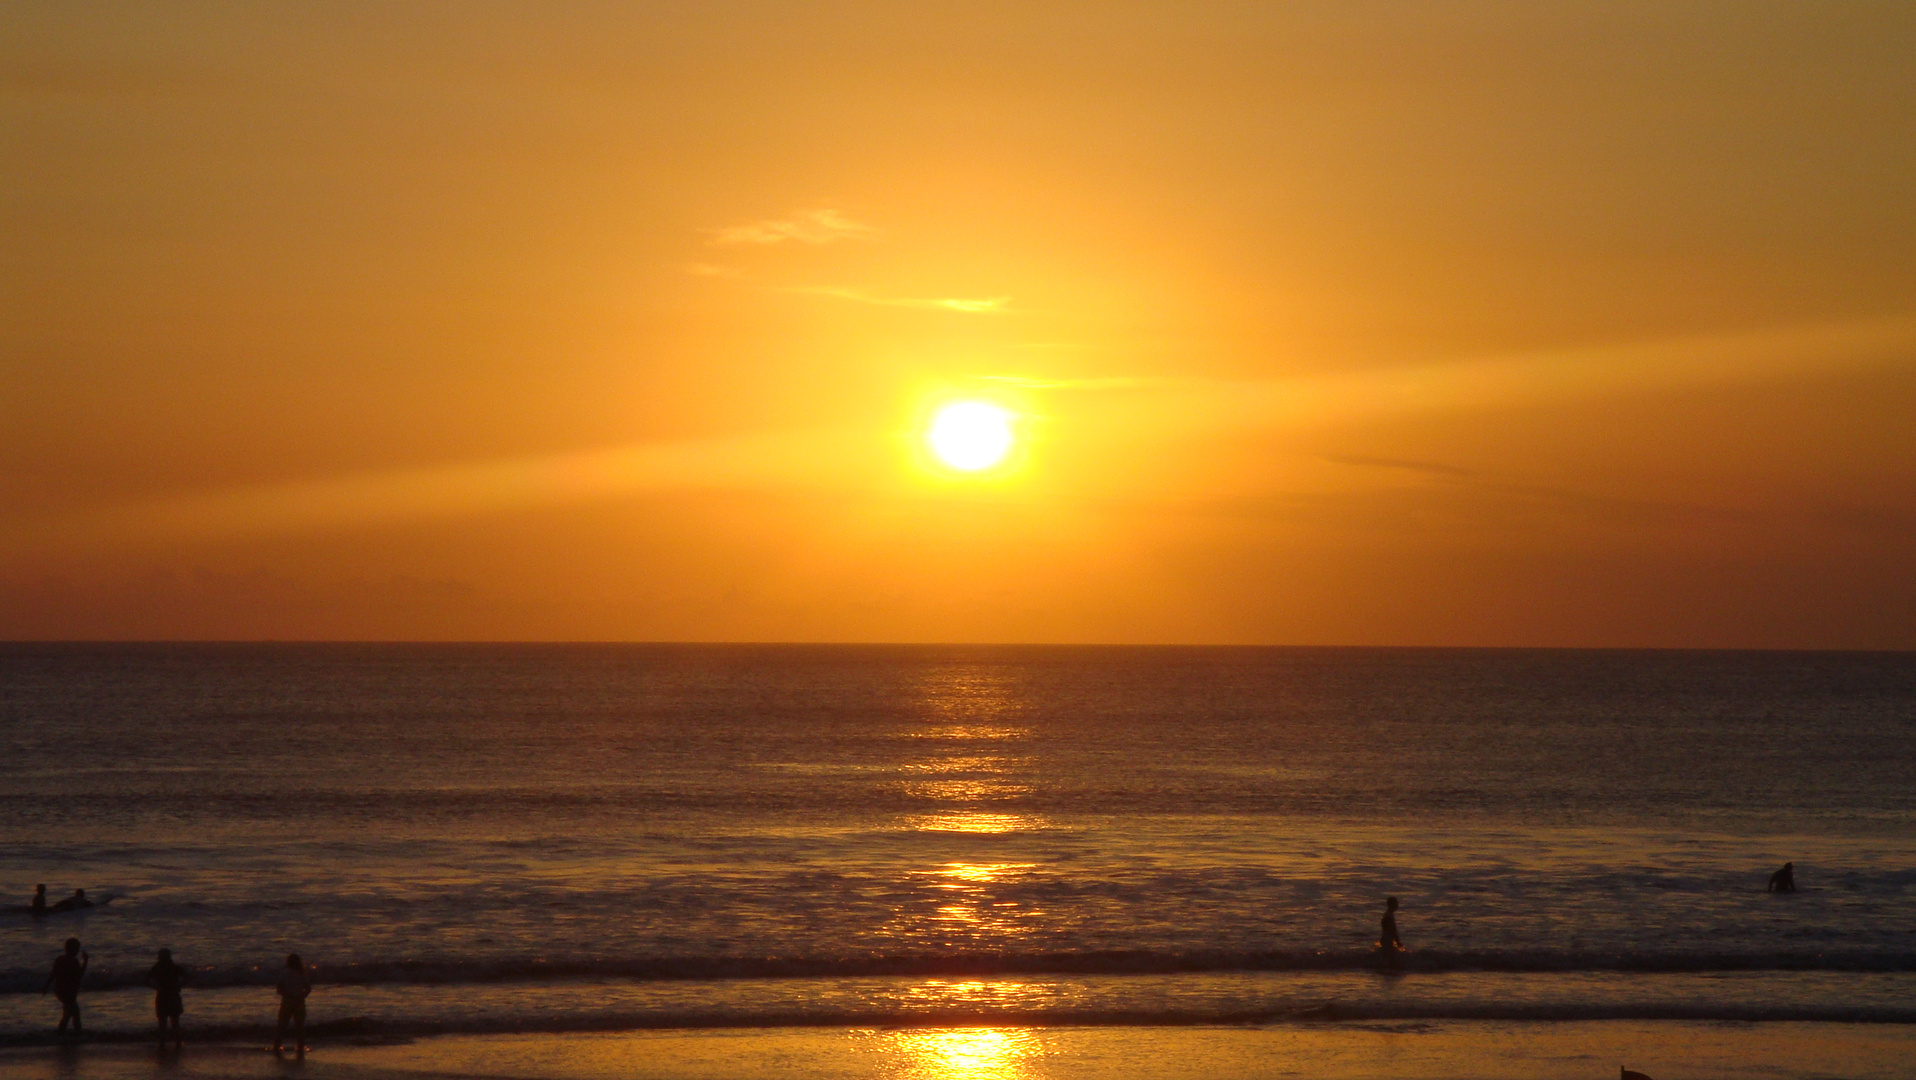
point(522, 839)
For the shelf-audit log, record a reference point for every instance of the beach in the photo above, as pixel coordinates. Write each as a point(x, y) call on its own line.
point(1437, 1050)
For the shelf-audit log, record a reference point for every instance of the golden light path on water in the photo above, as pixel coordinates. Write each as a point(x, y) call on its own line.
point(964, 777)
point(975, 821)
point(962, 1054)
point(970, 711)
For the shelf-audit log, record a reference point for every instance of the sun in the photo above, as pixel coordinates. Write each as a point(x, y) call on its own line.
point(971, 435)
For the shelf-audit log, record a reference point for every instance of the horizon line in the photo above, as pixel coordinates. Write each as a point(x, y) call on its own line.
point(796, 644)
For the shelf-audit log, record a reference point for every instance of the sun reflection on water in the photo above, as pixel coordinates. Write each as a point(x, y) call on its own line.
point(963, 1054)
point(986, 763)
point(978, 872)
point(971, 731)
point(979, 790)
point(975, 821)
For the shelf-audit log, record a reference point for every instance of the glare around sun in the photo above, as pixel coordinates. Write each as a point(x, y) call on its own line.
point(970, 435)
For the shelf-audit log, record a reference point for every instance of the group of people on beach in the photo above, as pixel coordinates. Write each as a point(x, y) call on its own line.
point(167, 980)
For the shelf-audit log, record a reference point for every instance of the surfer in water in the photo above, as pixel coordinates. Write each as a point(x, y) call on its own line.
point(73, 903)
point(39, 905)
point(166, 978)
point(68, 969)
point(1784, 880)
point(1389, 945)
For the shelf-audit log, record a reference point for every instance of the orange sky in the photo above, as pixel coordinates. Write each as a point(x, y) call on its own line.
point(1472, 324)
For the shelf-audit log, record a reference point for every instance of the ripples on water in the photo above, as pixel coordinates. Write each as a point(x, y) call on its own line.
point(627, 834)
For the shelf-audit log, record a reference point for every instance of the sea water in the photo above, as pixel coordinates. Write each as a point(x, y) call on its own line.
point(533, 838)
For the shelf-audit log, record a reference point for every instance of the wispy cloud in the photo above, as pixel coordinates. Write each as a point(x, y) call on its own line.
point(805, 227)
point(700, 269)
point(1115, 382)
point(1497, 382)
point(1428, 467)
point(991, 305)
point(813, 459)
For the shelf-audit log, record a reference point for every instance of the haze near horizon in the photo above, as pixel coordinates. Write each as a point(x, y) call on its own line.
point(1370, 324)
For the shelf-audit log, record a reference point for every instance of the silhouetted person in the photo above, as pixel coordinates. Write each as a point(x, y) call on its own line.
point(1388, 942)
point(1784, 880)
point(74, 903)
point(293, 988)
point(68, 968)
point(39, 905)
point(166, 978)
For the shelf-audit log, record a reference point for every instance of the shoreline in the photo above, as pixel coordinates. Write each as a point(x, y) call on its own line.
point(599, 1006)
point(1414, 1050)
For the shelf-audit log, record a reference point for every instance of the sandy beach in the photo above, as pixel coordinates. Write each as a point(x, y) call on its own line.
point(1449, 1050)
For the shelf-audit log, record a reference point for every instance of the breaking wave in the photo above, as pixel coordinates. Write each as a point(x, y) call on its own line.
point(982, 964)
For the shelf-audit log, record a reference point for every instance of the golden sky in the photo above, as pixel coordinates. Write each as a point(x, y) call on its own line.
point(1392, 324)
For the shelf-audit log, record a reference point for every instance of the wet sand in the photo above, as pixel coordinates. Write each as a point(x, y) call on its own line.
point(1667, 1050)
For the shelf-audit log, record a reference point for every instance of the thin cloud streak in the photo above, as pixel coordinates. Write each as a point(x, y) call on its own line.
point(1496, 382)
point(1118, 382)
point(1492, 383)
point(814, 227)
point(993, 305)
point(1426, 467)
point(780, 461)
point(811, 459)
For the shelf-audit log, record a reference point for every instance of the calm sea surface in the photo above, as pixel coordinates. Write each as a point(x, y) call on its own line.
point(532, 838)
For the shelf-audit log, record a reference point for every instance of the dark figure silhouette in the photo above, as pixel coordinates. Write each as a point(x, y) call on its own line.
point(73, 903)
point(1388, 943)
point(293, 988)
point(1631, 1074)
point(166, 978)
point(39, 906)
point(1784, 880)
point(68, 969)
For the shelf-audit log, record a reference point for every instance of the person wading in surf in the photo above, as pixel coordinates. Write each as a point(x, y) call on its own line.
point(68, 969)
point(293, 988)
point(166, 977)
point(1388, 943)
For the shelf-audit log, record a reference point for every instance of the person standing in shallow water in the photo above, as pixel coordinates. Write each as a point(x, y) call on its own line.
point(1388, 943)
point(166, 978)
point(293, 988)
point(68, 969)
point(39, 905)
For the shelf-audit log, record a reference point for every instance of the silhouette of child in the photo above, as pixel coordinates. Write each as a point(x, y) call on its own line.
point(293, 988)
point(1784, 880)
point(68, 969)
point(39, 899)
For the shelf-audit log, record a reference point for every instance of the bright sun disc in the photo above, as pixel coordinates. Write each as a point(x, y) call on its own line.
point(970, 435)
